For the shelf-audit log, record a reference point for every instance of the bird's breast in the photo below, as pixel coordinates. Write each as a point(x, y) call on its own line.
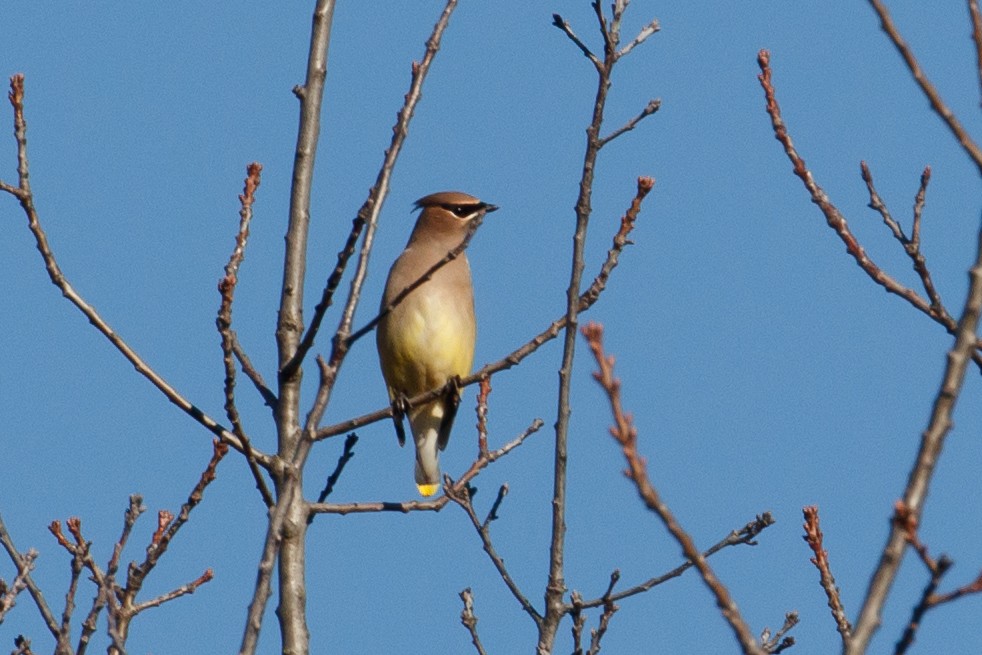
point(428, 338)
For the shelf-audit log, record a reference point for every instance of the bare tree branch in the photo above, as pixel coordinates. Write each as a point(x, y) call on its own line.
point(910, 245)
point(462, 496)
point(26, 197)
point(929, 90)
point(976, 15)
point(835, 219)
point(781, 641)
point(476, 467)
point(744, 535)
point(627, 435)
point(813, 537)
point(226, 288)
point(469, 620)
point(932, 442)
point(22, 564)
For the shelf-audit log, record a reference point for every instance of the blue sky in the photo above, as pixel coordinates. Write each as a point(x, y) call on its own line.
point(764, 370)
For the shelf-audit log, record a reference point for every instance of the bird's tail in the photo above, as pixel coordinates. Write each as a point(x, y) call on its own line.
point(426, 433)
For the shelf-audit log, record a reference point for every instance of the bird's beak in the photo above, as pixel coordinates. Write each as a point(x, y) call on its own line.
point(488, 208)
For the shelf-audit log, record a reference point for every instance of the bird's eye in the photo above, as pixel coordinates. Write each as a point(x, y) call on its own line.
point(460, 211)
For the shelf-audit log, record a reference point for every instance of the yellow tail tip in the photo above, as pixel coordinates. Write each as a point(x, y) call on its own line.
point(428, 489)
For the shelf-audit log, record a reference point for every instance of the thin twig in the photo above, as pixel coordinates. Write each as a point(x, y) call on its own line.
point(912, 245)
point(781, 641)
point(642, 36)
point(609, 608)
point(932, 443)
point(813, 537)
point(23, 568)
point(430, 505)
point(23, 646)
point(469, 620)
point(462, 496)
point(226, 287)
point(835, 219)
point(626, 434)
point(931, 93)
point(25, 196)
point(556, 585)
point(451, 255)
point(744, 535)
point(269, 398)
point(561, 23)
point(482, 416)
point(649, 109)
point(9, 593)
point(183, 590)
point(973, 10)
point(332, 479)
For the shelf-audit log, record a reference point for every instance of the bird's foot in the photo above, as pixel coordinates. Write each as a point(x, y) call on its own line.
point(400, 407)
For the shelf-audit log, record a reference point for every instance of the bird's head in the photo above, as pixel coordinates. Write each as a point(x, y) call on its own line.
point(450, 211)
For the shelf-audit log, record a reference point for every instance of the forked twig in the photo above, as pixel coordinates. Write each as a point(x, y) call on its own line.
point(835, 219)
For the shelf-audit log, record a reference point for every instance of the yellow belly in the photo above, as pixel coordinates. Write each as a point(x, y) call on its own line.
point(425, 342)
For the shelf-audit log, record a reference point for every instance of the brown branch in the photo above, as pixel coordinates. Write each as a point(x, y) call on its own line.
point(183, 590)
point(626, 435)
point(107, 594)
point(907, 522)
point(24, 194)
point(430, 505)
point(642, 36)
point(587, 299)
point(269, 398)
point(23, 645)
point(609, 608)
point(226, 287)
point(561, 23)
point(482, 416)
point(744, 535)
point(976, 15)
point(835, 219)
point(649, 109)
point(285, 549)
point(461, 494)
point(813, 537)
point(469, 620)
point(556, 585)
point(929, 90)
point(973, 587)
point(332, 479)
point(932, 443)
point(780, 641)
point(9, 593)
point(911, 245)
point(168, 526)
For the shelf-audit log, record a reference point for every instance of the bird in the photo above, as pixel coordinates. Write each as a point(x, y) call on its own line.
point(427, 339)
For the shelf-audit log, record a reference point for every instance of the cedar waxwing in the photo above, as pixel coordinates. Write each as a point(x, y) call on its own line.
point(428, 338)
